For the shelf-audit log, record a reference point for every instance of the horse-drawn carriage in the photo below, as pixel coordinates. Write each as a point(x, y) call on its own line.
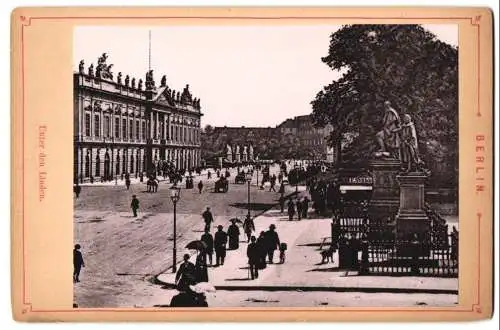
point(240, 177)
point(221, 185)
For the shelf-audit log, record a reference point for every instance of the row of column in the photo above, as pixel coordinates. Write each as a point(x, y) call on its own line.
point(106, 163)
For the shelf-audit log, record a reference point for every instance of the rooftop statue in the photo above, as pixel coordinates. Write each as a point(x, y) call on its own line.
point(139, 85)
point(150, 83)
point(81, 67)
point(119, 78)
point(127, 80)
point(91, 69)
point(164, 81)
point(133, 82)
point(186, 97)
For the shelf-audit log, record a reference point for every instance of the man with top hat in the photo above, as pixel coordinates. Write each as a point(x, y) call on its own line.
point(220, 241)
point(185, 275)
point(272, 242)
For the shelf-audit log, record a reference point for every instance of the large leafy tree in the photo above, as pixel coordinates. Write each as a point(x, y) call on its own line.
point(406, 65)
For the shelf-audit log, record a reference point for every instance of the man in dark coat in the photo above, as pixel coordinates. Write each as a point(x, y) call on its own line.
point(200, 186)
point(185, 275)
point(234, 235)
point(272, 242)
point(305, 207)
point(77, 189)
point(77, 263)
point(209, 241)
point(253, 258)
point(208, 218)
point(134, 205)
point(262, 250)
point(291, 209)
point(298, 205)
point(220, 241)
point(282, 203)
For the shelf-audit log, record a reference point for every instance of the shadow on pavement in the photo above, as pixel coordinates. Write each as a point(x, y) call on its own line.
point(253, 206)
point(238, 279)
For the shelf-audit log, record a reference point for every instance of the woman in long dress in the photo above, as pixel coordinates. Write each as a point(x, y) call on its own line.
point(234, 235)
point(200, 268)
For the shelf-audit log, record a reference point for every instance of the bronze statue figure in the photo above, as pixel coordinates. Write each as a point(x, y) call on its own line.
point(81, 67)
point(388, 138)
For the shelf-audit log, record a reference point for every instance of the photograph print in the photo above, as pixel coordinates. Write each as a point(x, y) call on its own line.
point(265, 166)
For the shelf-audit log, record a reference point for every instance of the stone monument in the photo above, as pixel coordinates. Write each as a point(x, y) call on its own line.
point(250, 153)
point(238, 156)
point(229, 153)
point(245, 154)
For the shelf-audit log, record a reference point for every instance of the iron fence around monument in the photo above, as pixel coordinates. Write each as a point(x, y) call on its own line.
point(436, 255)
point(413, 258)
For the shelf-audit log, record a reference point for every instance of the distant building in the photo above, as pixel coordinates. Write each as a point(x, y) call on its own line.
point(309, 137)
point(121, 126)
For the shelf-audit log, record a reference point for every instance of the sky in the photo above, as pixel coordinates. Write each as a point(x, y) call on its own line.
point(244, 75)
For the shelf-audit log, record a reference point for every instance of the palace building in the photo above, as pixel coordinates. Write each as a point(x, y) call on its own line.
point(122, 127)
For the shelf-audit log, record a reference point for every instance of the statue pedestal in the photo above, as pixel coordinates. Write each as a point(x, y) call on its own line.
point(411, 218)
point(385, 198)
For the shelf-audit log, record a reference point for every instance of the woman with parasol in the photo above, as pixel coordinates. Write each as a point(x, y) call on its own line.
point(200, 267)
point(234, 234)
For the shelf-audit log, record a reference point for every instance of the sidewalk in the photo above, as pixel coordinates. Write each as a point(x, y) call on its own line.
point(302, 270)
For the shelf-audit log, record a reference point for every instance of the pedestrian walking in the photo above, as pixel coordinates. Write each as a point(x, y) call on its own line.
point(220, 241)
point(262, 250)
point(282, 203)
point(185, 275)
point(291, 209)
point(77, 189)
point(189, 298)
point(305, 207)
point(127, 182)
point(78, 263)
point(298, 205)
point(200, 268)
point(233, 232)
point(209, 175)
point(209, 241)
point(200, 186)
point(208, 218)
point(282, 189)
point(272, 242)
point(248, 227)
point(253, 258)
point(134, 205)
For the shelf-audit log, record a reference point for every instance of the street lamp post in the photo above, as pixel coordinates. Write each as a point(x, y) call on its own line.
point(249, 178)
point(175, 196)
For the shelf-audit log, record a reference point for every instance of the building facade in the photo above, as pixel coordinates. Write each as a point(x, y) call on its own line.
point(310, 137)
point(122, 127)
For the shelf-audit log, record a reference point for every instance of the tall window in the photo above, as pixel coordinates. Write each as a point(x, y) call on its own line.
point(87, 124)
point(107, 127)
point(124, 129)
point(117, 128)
point(97, 125)
point(137, 135)
point(143, 130)
point(131, 129)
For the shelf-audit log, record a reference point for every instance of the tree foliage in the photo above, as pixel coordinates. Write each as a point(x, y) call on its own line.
point(406, 65)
